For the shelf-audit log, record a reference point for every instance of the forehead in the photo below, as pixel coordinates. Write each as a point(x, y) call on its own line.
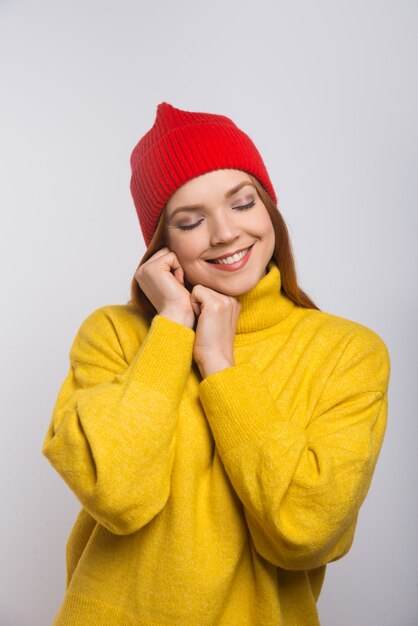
point(212, 185)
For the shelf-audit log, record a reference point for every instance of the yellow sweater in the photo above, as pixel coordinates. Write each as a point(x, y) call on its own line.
point(216, 501)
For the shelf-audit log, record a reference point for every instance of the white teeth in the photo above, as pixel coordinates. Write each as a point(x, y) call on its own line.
point(231, 259)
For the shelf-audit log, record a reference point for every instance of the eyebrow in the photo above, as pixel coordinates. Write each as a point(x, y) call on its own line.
point(196, 207)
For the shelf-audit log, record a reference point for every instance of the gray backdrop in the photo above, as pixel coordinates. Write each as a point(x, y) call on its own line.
point(328, 92)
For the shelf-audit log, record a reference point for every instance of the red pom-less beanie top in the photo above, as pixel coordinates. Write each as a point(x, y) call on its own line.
point(180, 146)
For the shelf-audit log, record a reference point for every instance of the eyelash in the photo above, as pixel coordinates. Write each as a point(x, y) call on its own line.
point(237, 208)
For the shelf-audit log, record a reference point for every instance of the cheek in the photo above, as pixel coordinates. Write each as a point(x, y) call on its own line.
point(184, 248)
point(269, 234)
point(270, 231)
point(264, 226)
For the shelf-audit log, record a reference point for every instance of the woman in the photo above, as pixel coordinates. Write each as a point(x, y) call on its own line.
point(219, 430)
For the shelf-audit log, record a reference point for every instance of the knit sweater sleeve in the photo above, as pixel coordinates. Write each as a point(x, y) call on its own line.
point(302, 478)
point(112, 431)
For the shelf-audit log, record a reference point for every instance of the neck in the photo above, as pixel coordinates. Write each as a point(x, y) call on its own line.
point(265, 305)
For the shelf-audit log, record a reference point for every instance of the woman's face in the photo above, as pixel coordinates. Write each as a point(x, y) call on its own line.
point(215, 215)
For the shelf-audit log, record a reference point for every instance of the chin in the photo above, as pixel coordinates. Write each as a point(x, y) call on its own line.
point(241, 290)
point(230, 284)
point(235, 286)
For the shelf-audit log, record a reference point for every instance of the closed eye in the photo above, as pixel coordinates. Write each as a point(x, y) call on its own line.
point(243, 207)
point(190, 226)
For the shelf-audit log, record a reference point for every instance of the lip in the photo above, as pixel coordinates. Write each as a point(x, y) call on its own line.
point(225, 256)
point(233, 266)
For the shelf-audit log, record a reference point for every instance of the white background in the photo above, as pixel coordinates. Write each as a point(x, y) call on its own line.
point(327, 90)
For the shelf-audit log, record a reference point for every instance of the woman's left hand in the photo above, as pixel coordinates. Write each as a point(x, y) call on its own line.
point(217, 317)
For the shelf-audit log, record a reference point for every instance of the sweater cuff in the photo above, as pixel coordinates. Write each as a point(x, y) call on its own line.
point(240, 408)
point(164, 360)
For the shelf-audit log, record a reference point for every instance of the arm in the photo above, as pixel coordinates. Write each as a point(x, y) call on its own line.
point(302, 487)
point(112, 432)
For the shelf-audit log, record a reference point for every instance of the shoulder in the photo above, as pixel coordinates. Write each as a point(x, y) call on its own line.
point(357, 335)
point(341, 331)
point(118, 328)
point(359, 354)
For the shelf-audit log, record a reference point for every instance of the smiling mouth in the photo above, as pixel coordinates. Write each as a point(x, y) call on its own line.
point(233, 258)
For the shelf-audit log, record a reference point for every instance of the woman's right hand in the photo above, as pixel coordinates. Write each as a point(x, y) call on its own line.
point(161, 278)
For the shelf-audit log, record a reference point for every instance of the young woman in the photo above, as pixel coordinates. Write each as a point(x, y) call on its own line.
point(219, 430)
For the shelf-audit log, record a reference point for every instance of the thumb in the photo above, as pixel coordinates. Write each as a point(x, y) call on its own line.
point(195, 304)
point(178, 273)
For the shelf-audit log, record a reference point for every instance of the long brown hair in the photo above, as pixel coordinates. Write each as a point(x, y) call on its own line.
point(283, 256)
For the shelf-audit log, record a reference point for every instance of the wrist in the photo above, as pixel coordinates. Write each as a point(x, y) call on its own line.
point(212, 366)
point(179, 317)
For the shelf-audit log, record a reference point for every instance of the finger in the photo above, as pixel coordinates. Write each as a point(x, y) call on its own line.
point(153, 257)
point(201, 293)
point(196, 308)
point(171, 259)
point(179, 274)
point(195, 303)
point(165, 260)
point(159, 253)
point(166, 256)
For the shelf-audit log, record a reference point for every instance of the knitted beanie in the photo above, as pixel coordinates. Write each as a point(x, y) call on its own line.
point(180, 146)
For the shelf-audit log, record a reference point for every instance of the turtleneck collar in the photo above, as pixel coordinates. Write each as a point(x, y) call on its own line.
point(265, 305)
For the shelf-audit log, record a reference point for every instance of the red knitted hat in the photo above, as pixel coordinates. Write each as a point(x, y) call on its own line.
point(180, 146)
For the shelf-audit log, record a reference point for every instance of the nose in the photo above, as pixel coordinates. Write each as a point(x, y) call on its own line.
point(223, 229)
